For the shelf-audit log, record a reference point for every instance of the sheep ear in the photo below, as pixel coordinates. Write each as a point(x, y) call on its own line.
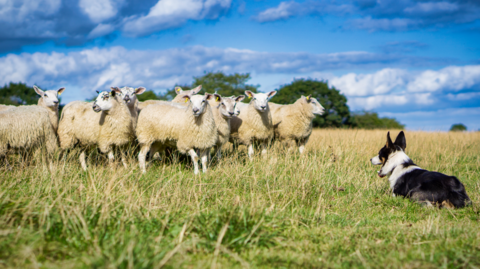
point(38, 91)
point(309, 98)
point(98, 92)
point(197, 89)
point(178, 90)
point(240, 98)
point(218, 97)
point(249, 94)
point(389, 143)
point(271, 94)
point(186, 97)
point(60, 91)
point(140, 90)
point(116, 89)
point(208, 96)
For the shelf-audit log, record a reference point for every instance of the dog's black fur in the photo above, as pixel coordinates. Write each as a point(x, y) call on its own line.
point(419, 184)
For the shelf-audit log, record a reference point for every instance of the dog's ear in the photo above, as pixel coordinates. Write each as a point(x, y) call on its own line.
point(389, 144)
point(401, 141)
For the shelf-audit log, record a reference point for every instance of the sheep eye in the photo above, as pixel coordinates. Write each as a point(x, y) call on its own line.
point(45, 95)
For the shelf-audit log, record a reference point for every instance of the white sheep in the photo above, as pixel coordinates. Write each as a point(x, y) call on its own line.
point(223, 108)
point(178, 98)
point(294, 122)
point(254, 123)
point(106, 122)
point(31, 126)
point(129, 95)
point(184, 128)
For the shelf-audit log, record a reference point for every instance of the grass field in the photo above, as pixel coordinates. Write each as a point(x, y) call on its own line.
point(324, 209)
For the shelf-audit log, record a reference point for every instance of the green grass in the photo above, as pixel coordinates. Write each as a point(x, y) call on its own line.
point(324, 209)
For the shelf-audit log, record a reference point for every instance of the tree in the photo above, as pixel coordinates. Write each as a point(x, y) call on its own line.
point(370, 120)
point(18, 94)
point(336, 110)
point(459, 127)
point(225, 85)
point(147, 95)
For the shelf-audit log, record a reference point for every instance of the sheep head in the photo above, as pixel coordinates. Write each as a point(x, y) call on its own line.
point(129, 94)
point(106, 100)
point(260, 100)
point(50, 97)
point(198, 103)
point(316, 107)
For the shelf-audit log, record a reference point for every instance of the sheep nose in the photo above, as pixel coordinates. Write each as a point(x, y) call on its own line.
point(263, 107)
point(55, 102)
point(195, 110)
point(231, 113)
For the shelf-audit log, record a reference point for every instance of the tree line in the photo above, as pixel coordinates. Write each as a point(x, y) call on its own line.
point(337, 113)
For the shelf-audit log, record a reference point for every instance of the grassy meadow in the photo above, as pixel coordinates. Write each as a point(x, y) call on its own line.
point(327, 208)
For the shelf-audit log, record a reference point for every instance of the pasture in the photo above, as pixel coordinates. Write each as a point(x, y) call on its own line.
point(327, 208)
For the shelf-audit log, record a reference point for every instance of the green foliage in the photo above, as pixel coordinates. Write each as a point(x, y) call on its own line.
point(18, 94)
point(370, 120)
point(459, 127)
point(225, 85)
point(147, 95)
point(336, 110)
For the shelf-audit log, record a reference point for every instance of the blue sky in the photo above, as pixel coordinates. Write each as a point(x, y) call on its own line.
point(417, 61)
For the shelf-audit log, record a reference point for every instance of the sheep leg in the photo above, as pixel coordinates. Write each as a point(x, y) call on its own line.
point(250, 151)
point(264, 148)
point(301, 145)
point(219, 153)
point(124, 161)
point(141, 157)
point(194, 157)
point(82, 161)
point(205, 154)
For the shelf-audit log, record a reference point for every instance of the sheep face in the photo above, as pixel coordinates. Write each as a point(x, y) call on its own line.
point(129, 94)
point(228, 105)
point(260, 100)
point(50, 97)
point(317, 108)
point(105, 100)
point(198, 103)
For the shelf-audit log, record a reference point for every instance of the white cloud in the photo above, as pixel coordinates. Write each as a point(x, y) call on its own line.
point(449, 78)
point(101, 30)
point(376, 101)
point(283, 11)
point(173, 13)
point(381, 82)
point(99, 10)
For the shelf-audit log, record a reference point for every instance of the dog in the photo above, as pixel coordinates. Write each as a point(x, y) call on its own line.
point(410, 181)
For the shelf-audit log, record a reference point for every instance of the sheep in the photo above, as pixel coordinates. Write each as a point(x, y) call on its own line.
point(254, 123)
point(5, 107)
point(129, 95)
point(178, 99)
point(294, 122)
point(223, 108)
point(186, 128)
point(31, 126)
point(106, 123)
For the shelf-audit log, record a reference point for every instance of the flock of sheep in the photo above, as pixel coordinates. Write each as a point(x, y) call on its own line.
point(191, 123)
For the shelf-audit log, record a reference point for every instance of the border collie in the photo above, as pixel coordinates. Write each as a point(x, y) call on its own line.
point(409, 180)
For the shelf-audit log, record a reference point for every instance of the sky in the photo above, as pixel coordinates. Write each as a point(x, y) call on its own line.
point(416, 61)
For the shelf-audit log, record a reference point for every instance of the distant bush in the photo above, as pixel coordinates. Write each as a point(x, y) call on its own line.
point(370, 120)
point(459, 127)
point(18, 94)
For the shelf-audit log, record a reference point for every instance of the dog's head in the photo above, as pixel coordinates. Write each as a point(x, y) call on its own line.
point(386, 154)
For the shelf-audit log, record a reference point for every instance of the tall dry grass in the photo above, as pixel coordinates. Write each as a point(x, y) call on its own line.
point(324, 209)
